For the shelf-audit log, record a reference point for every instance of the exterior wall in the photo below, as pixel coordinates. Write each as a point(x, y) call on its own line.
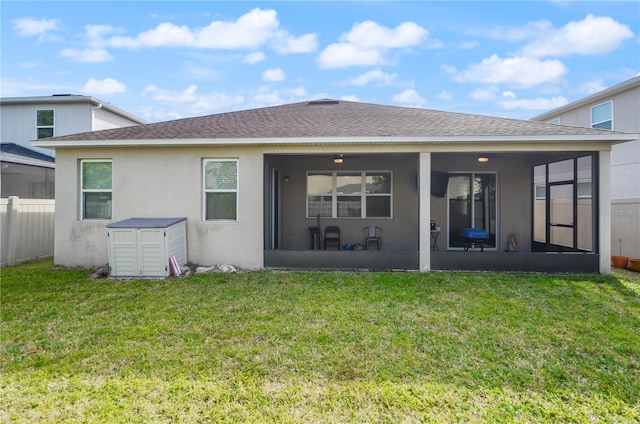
point(104, 120)
point(18, 122)
point(161, 183)
point(398, 233)
point(26, 230)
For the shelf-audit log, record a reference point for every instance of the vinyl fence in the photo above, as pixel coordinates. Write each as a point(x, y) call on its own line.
point(26, 230)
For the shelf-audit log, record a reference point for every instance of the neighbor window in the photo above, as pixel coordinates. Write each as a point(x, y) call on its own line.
point(44, 123)
point(96, 189)
point(349, 194)
point(602, 116)
point(220, 189)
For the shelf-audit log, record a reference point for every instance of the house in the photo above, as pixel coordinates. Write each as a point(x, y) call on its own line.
point(616, 108)
point(259, 187)
point(23, 119)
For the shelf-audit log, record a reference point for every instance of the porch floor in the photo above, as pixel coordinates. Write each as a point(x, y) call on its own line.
point(551, 262)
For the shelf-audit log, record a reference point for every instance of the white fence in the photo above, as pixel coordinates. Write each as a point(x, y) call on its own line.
point(26, 230)
point(625, 227)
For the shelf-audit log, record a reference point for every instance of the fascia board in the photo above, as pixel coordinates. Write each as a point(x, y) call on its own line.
point(330, 141)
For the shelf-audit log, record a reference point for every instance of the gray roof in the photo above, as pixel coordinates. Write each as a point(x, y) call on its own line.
point(332, 118)
point(15, 153)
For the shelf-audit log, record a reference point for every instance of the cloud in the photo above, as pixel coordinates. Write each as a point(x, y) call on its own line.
point(508, 99)
point(273, 75)
point(95, 51)
point(593, 35)
point(344, 55)
point(367, 42)
point(106, 86)
point(510, 103)
point(409, 97)
point(11, 88)
point(174, 104)
point(253, 58)
point(249, 32)
point(516, 71)
point(189, 101)
point(32, 27)
point(87, 55)
point(286, 44)
point(376, 75)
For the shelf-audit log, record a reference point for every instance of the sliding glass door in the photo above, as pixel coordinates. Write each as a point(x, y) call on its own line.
point(472, 203)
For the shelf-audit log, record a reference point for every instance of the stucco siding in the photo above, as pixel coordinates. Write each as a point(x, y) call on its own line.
point(160, 183)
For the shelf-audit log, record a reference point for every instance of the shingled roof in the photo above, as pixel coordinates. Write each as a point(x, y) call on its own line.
point(333, 118)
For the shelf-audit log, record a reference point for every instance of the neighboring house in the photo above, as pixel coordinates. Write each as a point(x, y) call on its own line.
point(26, 173)
point(254, 186)
point(23, 119)
point(616, 108)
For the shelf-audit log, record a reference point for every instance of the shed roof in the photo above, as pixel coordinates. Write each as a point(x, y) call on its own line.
point(332, 118)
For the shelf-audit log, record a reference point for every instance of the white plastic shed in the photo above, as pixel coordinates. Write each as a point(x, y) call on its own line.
point(141, 247)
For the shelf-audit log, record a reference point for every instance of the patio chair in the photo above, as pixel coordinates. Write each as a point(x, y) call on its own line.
point(332, 237)
point(372, 235)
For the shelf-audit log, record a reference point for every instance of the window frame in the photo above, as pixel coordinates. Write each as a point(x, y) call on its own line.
point(362, 194)
point(52, 126)
point(594, 124)
point(83, 190)
point(205, 190)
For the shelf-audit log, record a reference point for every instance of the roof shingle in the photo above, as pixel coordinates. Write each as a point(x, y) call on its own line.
point(332, 118)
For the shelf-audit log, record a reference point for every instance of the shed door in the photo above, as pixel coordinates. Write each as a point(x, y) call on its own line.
point(153, 261)
point(123, 252)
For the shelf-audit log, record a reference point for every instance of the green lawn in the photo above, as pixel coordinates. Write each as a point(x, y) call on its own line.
point(319, 347)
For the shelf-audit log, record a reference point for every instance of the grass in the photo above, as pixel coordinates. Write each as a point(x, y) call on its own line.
point(319, 347)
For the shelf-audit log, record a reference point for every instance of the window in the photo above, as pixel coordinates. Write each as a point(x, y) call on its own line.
point(44, 123)
point(220, 189)
point(96, 189)
point(602, 116)
point(554, 121)
point(349, 194)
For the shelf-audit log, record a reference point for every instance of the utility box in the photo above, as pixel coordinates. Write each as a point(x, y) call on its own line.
point(141, 247)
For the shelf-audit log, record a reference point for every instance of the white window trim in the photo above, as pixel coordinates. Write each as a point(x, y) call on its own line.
point(363, 194)
point(593, 124)
point(83, 191)
point(205, 190)
point(53, 127)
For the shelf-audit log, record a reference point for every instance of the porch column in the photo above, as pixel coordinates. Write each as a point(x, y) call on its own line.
point(424, 177)
point(604, 211)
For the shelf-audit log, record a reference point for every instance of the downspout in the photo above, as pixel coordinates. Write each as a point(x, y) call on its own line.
point(93, 115)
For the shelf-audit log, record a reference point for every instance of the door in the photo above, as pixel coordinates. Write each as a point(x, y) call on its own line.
point(472, 203)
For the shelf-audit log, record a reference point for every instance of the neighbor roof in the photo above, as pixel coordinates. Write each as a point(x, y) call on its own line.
point(14, 153)
point(333, 119)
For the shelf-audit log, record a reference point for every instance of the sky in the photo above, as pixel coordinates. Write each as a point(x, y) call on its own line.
point(162, 60)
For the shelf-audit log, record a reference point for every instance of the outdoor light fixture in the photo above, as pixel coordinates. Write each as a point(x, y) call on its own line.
point(483, 158)
point(338, 159)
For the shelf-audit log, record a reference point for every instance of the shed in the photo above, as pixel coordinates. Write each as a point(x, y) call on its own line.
point(141, 247)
